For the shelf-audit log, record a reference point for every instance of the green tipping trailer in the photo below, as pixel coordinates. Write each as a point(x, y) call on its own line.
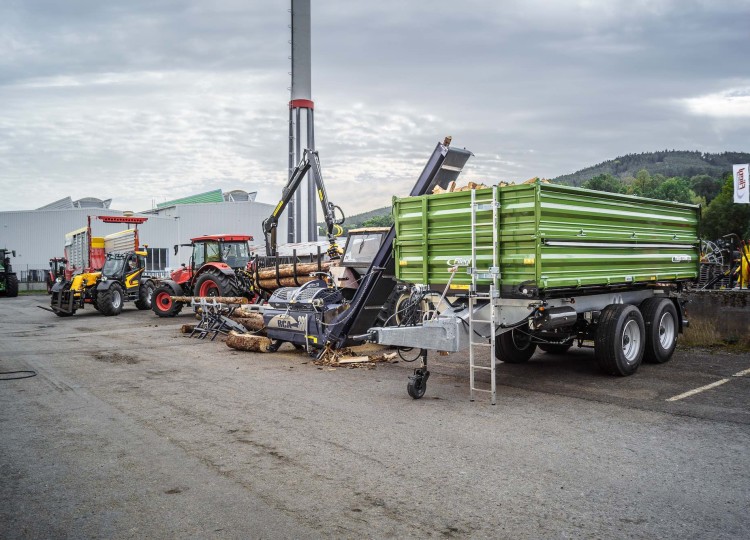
point(540, 267)
point(553, 240)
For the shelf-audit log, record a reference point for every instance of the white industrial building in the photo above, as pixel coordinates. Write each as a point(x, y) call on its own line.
point(38, 235)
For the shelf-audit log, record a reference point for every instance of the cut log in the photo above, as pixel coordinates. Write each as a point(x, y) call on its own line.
point(253, 324)
point(287, 270)
point(217, 299)
point(271, 284)
point(243, 311)
point(187, 328)
point(248, 342)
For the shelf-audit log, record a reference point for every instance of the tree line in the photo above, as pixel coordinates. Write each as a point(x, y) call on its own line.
point(715, 194)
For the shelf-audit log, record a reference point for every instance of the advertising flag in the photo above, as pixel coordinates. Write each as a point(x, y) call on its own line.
point(741, 190)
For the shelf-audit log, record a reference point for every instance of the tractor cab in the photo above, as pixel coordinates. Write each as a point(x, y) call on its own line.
point(56, 270)
point(120, 266)
point(231, 250)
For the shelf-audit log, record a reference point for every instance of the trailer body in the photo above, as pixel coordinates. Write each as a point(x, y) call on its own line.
point(553, 240)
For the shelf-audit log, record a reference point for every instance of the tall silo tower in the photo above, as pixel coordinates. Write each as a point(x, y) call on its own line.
point(302, 213)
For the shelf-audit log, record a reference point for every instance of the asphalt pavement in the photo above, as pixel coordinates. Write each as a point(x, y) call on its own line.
point(132, 430)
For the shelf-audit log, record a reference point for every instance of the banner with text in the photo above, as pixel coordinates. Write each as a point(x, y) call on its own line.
point(741, 190)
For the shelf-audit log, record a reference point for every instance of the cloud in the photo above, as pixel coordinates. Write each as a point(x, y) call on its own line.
point(151, 100)
point(733, 103)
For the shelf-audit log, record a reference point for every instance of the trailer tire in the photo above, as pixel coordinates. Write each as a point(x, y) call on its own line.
point(11, 286)
point(555, 348)
point(162, 303)
point(619, 341)
point(514, 347)
point(110, 301)
point(660, 319)
point(145, 295)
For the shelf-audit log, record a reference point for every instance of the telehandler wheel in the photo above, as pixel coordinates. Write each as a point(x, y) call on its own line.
point(11, 286)
point(162, 303)
point(110, 301)
point(214, 283)
point(660, 318)
point(619, 340)
point(514, 347)
point(145, 296)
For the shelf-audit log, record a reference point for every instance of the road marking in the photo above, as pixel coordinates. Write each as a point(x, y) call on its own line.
point(699, 390)
point(708, 386)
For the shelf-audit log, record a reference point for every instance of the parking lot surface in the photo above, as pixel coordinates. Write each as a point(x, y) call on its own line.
point(132, 430)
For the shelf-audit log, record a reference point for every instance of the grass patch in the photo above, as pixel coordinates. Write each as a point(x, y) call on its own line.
point(702, 333)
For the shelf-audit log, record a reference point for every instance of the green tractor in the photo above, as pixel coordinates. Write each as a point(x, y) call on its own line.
point(8, 278)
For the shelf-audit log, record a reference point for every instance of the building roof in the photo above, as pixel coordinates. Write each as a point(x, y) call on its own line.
point(212, 196)
point(85, 202)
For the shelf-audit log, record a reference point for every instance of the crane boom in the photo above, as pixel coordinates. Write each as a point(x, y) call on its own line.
point(310, 162)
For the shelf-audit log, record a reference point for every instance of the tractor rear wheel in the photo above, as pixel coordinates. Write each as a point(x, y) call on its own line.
point(162, 303)
point(11, 285)
point(145, 295)
point(214, 283)
point(110, 300)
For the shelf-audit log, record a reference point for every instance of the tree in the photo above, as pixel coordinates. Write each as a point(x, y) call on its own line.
point(385, 220)
point(605, 182)
point(705, 186)
point(724, 216)
point(674, 189)
point(644, 184)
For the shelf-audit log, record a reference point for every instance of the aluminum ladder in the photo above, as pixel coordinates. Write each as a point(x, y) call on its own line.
point(478, 300)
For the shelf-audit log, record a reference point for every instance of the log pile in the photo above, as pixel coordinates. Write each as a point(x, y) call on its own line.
point(267, 276)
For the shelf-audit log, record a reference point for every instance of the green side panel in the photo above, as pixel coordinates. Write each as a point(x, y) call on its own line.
point(213, 196)
point(550, 237)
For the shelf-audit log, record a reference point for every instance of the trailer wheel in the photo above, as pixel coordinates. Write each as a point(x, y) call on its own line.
point(514, 347)
point(162, 303)
point(145, 295)
point(660, 318)
point(110, 301)
point(620, 340)
point(417, 384)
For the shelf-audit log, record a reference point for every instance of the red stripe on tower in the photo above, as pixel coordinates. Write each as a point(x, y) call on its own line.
point(301, 104)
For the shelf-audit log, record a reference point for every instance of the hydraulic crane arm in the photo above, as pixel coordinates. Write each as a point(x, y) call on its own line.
point(310, 162)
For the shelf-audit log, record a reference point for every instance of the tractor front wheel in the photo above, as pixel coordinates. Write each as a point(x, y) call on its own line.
point(162, 303)
point(110, 301)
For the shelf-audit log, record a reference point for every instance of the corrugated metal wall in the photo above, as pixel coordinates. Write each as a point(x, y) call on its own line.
point(38, 235)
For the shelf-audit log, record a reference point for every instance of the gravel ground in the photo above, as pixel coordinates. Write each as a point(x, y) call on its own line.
point(132, 430)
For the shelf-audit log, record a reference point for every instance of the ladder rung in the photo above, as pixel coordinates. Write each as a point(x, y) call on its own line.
point(481, 390)
point(481, 320)
point(488, 368)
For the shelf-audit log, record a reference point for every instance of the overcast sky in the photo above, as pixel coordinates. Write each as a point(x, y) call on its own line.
point(144, 101)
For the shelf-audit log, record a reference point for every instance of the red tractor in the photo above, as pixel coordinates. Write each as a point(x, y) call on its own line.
point(219, 266)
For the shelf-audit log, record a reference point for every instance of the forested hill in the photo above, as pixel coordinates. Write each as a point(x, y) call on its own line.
point(669, 163)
